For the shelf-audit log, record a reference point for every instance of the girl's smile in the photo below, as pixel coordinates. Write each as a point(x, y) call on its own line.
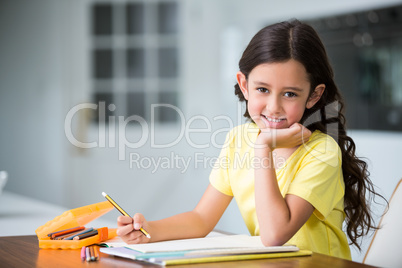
point(272, 122)
point(277, 94)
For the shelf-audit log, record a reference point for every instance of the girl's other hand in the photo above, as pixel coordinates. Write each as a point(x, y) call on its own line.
point(290, 137)
point(129, 229)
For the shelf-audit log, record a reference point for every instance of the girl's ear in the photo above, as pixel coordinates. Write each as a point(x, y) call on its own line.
point(315, 97)
point(242, 81)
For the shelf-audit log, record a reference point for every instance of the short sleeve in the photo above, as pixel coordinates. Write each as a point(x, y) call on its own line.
point(319, 178)
point(219, 177)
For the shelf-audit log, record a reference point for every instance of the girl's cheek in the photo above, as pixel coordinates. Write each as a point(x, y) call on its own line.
point(297, 113)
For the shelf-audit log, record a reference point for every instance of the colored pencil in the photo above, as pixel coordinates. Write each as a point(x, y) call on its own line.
point(82, 236)
point(123, 212)
point(71, 237)
point(83, 255)
point(66, 231)
point(96, 253)
point(50, 234)
point(92, 253)
point(66, 235)
point(88, 256)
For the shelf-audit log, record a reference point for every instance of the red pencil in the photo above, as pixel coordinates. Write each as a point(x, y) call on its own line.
point(66, 231)
point(61, 237)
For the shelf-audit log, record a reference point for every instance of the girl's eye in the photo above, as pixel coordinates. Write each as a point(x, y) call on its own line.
point(290, 94)
point(262, 90)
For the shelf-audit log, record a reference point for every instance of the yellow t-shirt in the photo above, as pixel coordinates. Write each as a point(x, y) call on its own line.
point(313, 172)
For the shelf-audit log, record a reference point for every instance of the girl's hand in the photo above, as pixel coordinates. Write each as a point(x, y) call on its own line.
point(290, 137)
point(129, 229)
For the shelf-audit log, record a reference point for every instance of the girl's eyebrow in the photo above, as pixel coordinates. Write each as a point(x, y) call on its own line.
point(260, 83)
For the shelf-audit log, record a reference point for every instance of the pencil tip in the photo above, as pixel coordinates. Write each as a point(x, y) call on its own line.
point(104, 194)
point(148, 236)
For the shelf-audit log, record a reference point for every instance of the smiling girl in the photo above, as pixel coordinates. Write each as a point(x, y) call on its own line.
point(303, 178)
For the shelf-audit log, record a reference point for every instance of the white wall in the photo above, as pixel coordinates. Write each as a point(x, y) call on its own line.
point(31, 97)
point(44, 71)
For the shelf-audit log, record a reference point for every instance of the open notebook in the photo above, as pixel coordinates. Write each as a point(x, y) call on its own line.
point(208, 249)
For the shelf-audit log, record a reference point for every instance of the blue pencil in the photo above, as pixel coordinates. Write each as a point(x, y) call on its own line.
point(80, 233)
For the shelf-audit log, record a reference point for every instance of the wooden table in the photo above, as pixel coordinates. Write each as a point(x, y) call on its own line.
point(23, 251)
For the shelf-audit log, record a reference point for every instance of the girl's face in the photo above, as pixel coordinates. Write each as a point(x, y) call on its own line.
point(278, 93)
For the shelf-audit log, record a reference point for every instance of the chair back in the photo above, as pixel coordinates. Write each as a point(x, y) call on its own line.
point(385, 248)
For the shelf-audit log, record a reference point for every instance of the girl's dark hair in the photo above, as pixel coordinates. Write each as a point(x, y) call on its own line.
point(295, 40)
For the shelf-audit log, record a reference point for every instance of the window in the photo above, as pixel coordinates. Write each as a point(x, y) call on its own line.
point(135, 57)
point(365, 49)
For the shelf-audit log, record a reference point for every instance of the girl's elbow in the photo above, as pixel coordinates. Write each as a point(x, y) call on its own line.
point(272, 240)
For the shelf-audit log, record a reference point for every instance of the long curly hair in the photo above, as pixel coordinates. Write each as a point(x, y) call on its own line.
point(293, 39)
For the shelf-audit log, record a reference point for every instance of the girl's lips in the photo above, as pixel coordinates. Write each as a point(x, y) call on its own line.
point(273, 122)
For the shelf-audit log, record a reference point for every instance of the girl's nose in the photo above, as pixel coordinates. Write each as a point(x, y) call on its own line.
point(274, 105)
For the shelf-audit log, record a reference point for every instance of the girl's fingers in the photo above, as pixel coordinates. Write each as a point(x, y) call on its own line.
point(138, 221)
point(128, 229)
point(124, 220)
point(124, 230)
point(135, 237)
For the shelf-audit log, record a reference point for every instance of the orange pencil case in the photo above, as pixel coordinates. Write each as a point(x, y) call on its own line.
point(72, 218)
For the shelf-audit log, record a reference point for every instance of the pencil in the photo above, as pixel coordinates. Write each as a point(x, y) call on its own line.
point(83, 255)
point(123, 212)
point(62, 237)
point(86, 230)
point(92, 253)
point(66, 231)
point(96, 253)
point(85, 235)
point(87, 254)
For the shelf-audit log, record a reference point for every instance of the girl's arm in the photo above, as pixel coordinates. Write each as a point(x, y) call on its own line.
point(279, 218)
point(196, 223)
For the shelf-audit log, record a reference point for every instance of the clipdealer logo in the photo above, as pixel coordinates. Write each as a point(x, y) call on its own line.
point(201, 160)
point(147, 134)
point(146, 131)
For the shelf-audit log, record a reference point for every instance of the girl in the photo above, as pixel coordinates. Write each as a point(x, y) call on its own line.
point(292, 170)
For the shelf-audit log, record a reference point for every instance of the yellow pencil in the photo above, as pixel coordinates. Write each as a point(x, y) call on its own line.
point(123, 212)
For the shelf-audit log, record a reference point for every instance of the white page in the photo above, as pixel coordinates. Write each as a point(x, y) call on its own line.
point(215, 242)
point(118, 242)
point(113, 242)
